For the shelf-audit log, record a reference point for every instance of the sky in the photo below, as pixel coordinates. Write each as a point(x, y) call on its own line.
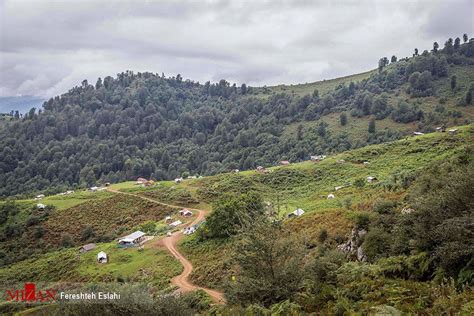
point(47, 47)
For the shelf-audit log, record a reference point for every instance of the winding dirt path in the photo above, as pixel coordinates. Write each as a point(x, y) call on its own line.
point(170, 243)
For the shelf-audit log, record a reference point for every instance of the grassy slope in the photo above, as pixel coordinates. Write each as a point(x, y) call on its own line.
point(153, 266)
point(357, 128)
point(306, 185)
point(323, 86)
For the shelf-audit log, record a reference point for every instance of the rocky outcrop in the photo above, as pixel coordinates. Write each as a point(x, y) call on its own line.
point(352, 247)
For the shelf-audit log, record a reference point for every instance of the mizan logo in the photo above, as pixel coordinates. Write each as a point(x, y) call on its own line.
point(30, 294)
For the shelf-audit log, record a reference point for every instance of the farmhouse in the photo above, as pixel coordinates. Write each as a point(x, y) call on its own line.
point(339, 187)
point(176, 223)
point(331, 196)
point(94, 188)
point(441, 129)
point(178, 180)
point(87, 248)
point(132, 240)
point(102, 257)
point(366, 162)
point(189, 230)
point(371, 179)
point(341, 161)
point(40, 206)
point(167, 219)
point(38, 197)
point(318, 158)
point(453, 131)
point(418, 133)
point(141, 181)
point(297, 212)
point(236, 171)
point(185, 213)
point(284, 162)
point(260, 168)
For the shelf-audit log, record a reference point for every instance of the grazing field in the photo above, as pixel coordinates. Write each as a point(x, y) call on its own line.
point(153, 266)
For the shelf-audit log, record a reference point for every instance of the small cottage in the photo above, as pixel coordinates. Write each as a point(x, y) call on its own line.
point(418, 133)
point(178, 180)
point(284, 162)
point(102, 257)
point(189, 230)
point(371, 179)
point(331, 196)
point(167, 219)
point(185, 213)
point(141, 181)
point(40, 206)
point(132, 240)
point(94, 188)
point(297, 212)
point(338, 188)
point(40, 196)
point(176, 223)
point(441, 129)
point(260, 168)
point(453, 131)
point(236, 171)
point(87, 248)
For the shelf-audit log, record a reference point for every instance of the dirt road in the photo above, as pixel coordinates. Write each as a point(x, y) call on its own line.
point(182, 280)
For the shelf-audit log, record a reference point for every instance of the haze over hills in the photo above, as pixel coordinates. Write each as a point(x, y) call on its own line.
point(142, 124)
point(21, 104)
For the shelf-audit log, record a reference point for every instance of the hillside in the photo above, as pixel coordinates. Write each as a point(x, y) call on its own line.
point(403, 265)
point(143, 124)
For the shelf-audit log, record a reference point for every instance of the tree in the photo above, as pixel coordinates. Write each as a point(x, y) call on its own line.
point(231, 213)
point(416, 52)
point(469, 96)
point(457, 43)
point(393, 59)
point(465, 38)
point(448, 46)
point(271, 264)
point(66, 241)
point(243, 88)
point(88, 233)
point(98, 84)
point(343, 119)
point(322, 129)
point(299, 132)
point(382, 63)
point(453, 82)
point(435, 47)
point(371, 128)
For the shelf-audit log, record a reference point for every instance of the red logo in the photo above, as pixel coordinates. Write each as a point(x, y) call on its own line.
point(30, 294)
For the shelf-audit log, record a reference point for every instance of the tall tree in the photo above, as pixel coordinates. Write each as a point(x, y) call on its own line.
point(453, 82)
point(435, 47)
point(465, 38)
point(457, 43)
point(393, 59)
point(371, 128)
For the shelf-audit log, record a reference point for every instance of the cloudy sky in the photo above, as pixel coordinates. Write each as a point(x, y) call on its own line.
point(49, 46)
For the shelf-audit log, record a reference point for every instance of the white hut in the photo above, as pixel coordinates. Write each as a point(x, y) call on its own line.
point(331, 196)
point(102, 257)
point(297, 212)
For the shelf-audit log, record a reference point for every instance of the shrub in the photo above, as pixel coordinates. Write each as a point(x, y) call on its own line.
point(376, 244)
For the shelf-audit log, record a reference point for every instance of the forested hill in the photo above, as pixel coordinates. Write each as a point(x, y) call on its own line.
point(143, 124)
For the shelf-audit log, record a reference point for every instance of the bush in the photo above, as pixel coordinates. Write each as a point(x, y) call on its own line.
point(362, 221)
point(66, 241)
point(385, 206)
point(376, 244)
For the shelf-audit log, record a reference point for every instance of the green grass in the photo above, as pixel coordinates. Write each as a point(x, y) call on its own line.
point(154, 266)
point(323, 86)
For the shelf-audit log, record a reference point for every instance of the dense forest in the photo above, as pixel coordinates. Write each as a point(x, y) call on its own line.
point(144, 124)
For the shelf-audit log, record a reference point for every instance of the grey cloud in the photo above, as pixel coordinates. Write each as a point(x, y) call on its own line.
point(46, 47)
